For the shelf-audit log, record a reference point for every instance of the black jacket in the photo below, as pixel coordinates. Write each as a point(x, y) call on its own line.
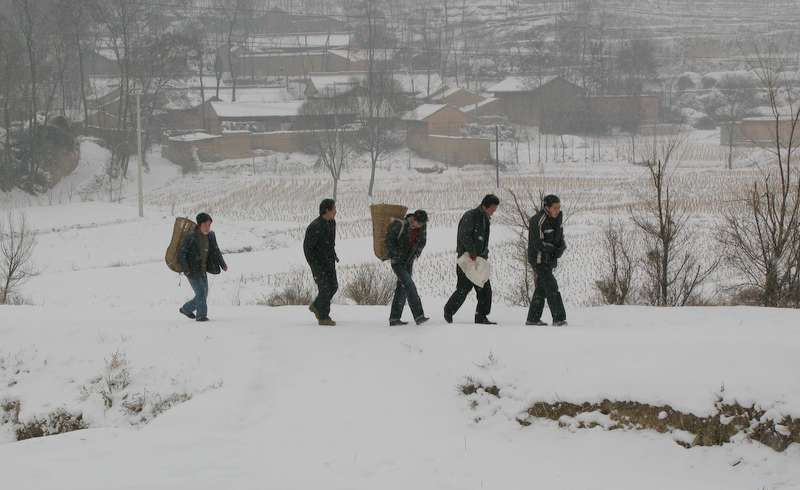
point(545, 239)
point(319, 245)
point(398, 242)
point(473, 233)
point(191, 261)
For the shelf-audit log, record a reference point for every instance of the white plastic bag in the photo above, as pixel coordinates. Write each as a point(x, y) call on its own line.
point(478, 271)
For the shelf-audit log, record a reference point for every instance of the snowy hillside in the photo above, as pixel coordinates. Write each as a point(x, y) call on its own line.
point(261, 397)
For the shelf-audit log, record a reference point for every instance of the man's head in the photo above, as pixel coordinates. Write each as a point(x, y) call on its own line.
point(419, 219)
point(204, 223)
point(327, 209)
point(552, 205)
point(490, 204)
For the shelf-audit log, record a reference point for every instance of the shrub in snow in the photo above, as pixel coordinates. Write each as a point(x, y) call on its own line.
point(370, 285)
point(57, 422)
point(296, 291)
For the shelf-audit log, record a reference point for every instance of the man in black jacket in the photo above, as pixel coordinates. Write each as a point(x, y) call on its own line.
point(405, 240)
point(319, 247)
point(473, 239)
point(199, 256)
point(545, 246)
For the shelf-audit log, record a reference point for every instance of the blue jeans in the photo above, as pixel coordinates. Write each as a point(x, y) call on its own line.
point(199, 285)
point(406, 291)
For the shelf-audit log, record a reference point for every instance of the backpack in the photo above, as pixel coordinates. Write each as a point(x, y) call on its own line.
point(382, 217)
point(182, 228)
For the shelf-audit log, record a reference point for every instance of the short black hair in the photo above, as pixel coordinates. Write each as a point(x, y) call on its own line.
point(490, 200)
point(326, 205)
point(202, 218)
point(421, 216)
point(549, 200)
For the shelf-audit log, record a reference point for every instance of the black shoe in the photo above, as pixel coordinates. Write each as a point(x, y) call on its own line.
point(187, 314)
point(482, 320)
point(562, 323)
point(397, 323)
point(537, 323)
point(313, 309)
point(448, 317)
point(202, 319)
point(421, 320)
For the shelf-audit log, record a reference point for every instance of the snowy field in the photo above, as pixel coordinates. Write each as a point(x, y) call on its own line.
point(262, 398)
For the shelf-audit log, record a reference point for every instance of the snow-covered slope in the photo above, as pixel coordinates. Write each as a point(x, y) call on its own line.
point(279, 403)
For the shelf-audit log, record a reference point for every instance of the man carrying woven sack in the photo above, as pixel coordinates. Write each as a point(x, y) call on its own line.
point(404, 241)
point(199, 256)
point(319, 247)
point(473, 239)
point(545, 246)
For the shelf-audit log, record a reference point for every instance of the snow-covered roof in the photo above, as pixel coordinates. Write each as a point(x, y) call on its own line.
point(300, 40)
point(336, 83)
point(423, 112)
point(422, 84)
point(520, 84)
point(447, 92)
point(241, 110)
point(419, 84)
point(363, 54)
point(471, 107)
point(199, 136)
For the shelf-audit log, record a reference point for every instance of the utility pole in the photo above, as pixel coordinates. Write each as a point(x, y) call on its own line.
point(497, 152)
point(139, 145)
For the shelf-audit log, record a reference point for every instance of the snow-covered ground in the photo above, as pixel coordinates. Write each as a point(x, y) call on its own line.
point(262, 398)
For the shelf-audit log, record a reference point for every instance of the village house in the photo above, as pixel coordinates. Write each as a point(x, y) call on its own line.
point(457, 97)
point(623, 111)
point(760, 131)
point(435, 131)
point(553, 103)
point(416, 85)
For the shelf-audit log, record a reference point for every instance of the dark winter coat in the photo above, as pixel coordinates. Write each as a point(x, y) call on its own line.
point(545, 239)
point(319, 245)
point(191, 258)
point(473, 233)
point(398, 241)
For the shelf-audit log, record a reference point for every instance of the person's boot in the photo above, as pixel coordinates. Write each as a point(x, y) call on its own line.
point(536, 323)
point(560, 323)
point(327, 322)
point(422, 319)
point(483, 320)
point(202, 319)
point(448, 317)
point(397, 323)
point(313, 309)
point(187, 314)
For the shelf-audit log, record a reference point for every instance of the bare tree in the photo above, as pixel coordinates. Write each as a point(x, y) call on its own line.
point(234, 14)
point(674, 272)
point(733, 99)
point(762, 237)
point(615, 285)
point(330, 138)
point(17, 243)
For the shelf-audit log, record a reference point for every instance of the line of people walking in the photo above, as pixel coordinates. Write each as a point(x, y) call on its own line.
point(405, 241)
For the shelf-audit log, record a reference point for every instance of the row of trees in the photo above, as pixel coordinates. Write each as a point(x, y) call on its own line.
point(758, 237)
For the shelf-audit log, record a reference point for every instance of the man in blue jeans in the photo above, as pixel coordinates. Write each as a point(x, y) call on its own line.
point(405, 240)
point(199, 256)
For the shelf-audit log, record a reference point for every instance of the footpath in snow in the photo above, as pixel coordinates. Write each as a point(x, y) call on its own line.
point(276, 402)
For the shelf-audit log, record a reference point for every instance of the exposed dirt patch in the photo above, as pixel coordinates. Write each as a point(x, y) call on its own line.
point(727, 421)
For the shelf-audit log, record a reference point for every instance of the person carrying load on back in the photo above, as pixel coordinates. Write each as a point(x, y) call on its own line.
point(199, 256)
point(405, 241)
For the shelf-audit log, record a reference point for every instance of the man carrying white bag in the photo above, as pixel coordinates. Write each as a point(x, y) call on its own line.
point(473, 269)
